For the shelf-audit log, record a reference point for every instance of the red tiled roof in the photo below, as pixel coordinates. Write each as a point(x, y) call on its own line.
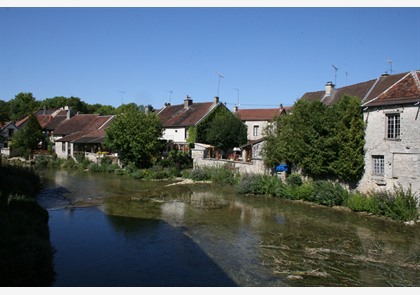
point(259, 114)
point(178, 116)
point(395, 89)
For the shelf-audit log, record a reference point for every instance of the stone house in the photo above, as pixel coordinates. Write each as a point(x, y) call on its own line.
point(257, 120)
point(180, 120)
point(82, 133)
point(392, 136)
point(392, 149)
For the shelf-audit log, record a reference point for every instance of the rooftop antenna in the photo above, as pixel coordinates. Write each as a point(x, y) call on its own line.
point(122, 95)
point(238, 95)
point(390, 65)
point(335, 74)
point(170, 95)
point(218, 85)
point(347, 74)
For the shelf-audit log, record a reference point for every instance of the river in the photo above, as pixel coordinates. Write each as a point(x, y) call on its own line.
point(111, 230)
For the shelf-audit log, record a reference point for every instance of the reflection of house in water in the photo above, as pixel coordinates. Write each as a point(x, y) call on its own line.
point(173, 213)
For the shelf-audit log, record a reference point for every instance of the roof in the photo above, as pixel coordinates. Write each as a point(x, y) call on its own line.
point(84, 128)
point(396, 89)
point(387, 89)
point(179, 116)
point(260, 114)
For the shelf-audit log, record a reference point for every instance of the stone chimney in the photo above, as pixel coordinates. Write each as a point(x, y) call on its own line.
point(68, 112)
point(235, 109)
point(216, 99)
point(329, 88)
point(146, 109)
point(187, 102)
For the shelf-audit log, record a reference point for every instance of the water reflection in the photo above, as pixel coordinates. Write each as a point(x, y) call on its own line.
point(247, 240)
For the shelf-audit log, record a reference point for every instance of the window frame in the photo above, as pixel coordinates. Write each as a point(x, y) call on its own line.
point(378, 165)
point(255, 130)
point(393, 126)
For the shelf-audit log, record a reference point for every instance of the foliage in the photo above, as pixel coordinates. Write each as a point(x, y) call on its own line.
point(25, 251)
point(324, 141)
point(176, 159)
point(22, 105)
point(135, 135)
point(260, 185)
point(328, 193)
point(294, 179)
point(200, 174)
point(4, 111)
point(226, 131)
point(28, 138)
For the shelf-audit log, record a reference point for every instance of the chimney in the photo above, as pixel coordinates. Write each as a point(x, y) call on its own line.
point(329, 88)
point(68, 113)
point(235, 109)
point(187, 102)
point(281, 105)
point(216, 99)
point(146, 109)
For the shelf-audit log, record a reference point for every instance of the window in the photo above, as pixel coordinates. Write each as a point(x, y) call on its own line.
point(256, 130)
point(393, 126)
point(10, 132)
point(378, 165)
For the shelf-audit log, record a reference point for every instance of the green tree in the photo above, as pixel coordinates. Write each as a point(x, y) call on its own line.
point(136, 136)
point(349, 164)
point(226, 131)
point(28, 138)
point(22, 105)
point(324, 141)
point(4, 111)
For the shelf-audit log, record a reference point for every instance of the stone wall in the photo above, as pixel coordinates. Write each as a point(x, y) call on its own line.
point(401, 156)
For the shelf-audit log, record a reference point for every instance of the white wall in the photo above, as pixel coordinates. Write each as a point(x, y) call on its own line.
point(250, 129)
point(175, 134)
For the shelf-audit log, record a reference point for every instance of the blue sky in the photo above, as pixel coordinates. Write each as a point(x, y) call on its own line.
point(267, 55)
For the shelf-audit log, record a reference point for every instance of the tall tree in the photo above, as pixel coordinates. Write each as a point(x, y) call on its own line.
point(22, 105)
point(226, 131)
point(4, 111)
point(135, 135)
point(28, 138)
point(325, 142)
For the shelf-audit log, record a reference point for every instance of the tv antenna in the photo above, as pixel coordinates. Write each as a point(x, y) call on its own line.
point(218, 85)
point(390, 65)
point(170, 95)
point(335, 74)
point(347, 74)
point(122, 96)
point(238, 95)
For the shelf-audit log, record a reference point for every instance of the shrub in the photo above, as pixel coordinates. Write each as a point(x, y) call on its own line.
point(200, 174)
point(328, 194)
point(294, 179)
point(362, 203)
point(249, 184)
point(222, 175)
point(405, 204)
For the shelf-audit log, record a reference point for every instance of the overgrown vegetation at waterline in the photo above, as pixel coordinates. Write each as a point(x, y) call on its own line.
point(176, 164)
point(26, 254)
point(398, 205)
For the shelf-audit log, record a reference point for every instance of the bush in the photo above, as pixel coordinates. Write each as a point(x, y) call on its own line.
point(362, 203)
point(249, 184)
point(294, 179)
point(222, 175)
point(200, 174)
point(328, 194)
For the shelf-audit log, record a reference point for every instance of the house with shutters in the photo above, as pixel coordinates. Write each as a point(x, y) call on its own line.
point(391, 105)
